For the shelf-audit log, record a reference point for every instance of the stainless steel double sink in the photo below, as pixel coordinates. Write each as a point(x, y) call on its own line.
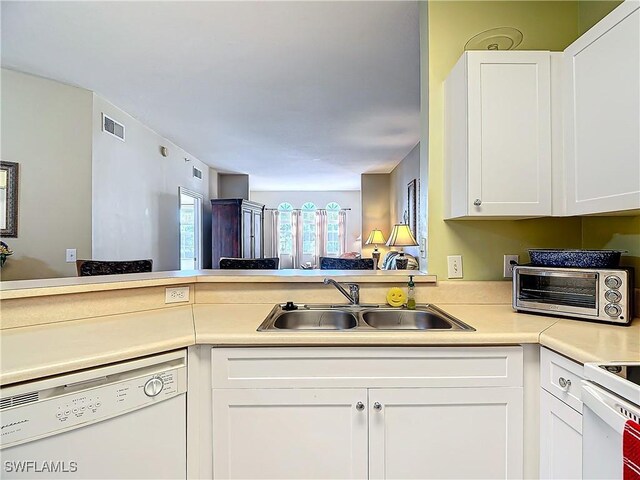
point(360, 318)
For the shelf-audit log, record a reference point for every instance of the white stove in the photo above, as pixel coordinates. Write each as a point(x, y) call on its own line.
point(611, 396)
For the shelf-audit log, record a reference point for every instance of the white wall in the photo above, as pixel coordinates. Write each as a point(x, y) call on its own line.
point(345, 198)
point(233, 185)
point(46, 129)
point(408, 169)
point(213, 183)
point(135, 192)
point(376, 205)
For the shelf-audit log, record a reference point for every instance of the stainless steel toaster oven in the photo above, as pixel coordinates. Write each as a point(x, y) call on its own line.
point(601, 295)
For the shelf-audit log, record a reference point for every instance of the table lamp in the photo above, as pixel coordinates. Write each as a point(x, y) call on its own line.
point(375, 238)
point(401, 236)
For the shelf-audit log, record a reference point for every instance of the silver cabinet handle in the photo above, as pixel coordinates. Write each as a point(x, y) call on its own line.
point(377, 406)
point(564, 383)
point(477, 202)
point(359, 406)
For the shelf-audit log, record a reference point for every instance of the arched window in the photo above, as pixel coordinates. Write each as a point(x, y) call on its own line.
point(284, 224)
point(309, 228)
point(333, 231)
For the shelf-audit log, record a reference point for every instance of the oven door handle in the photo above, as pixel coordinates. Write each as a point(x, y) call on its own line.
point(599, 402)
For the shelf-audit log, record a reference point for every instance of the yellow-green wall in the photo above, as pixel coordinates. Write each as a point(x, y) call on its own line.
point(615, 233)
point(482, 244)
point(591, 12)
point(546, 25)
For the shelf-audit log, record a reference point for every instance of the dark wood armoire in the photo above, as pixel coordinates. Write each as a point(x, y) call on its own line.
point(237, 229)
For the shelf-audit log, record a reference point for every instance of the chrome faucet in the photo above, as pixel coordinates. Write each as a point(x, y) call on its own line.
point(354, 290)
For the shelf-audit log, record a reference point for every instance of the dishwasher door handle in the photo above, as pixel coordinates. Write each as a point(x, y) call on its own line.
point(602, 404)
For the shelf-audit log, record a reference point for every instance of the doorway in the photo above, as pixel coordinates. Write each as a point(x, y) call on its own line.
point(190, 209)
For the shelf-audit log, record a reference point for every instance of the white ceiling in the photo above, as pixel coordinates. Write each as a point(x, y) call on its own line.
point(299, 95)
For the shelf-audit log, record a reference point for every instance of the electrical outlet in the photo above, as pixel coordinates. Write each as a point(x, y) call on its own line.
point(455, 266)
point(507, 266)
point(71, 255)
point(176, 294)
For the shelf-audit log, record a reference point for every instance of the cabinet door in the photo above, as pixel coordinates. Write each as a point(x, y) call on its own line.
point(446, 433)
point(560, 439)
point(289, 433)
point(247, 236)
point(602, 115)
point(509, 115)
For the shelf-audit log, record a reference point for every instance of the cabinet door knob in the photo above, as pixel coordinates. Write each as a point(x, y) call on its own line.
point(564, 383)
point(359, 406)
point(477, 202)
point(377, 406)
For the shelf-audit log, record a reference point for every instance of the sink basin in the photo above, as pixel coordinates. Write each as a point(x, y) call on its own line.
point(360, 318)
point(315, 320)
point(406, 320)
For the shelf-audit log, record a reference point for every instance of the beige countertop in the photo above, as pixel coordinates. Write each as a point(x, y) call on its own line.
point(235, 325)
point(226, 325)
point(593, 342)
point(61, 286)
point(37, 351)
point(32, 352)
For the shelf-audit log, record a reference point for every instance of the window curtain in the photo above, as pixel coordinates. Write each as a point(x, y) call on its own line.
point(321, 236)
point(275, 233)
point(342, 231)
point(296, 244)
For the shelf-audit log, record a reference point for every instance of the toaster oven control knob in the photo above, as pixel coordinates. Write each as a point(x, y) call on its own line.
point(613, 282)
point(612, 310)
point(153, 387)
point(613, 296)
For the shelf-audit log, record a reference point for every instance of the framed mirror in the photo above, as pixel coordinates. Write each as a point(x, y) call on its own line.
point(8, 199)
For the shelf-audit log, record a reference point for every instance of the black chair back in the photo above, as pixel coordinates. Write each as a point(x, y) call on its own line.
point(250, 263)
point(88, 268)
point(329, 263)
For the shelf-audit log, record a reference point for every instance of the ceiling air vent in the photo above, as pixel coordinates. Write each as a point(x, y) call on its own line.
point(197, 173)
point(110, 126)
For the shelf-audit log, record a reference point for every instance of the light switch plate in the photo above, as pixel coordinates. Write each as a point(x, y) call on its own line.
point(423, 247)
point(454, 263)
point(71, 255)
point(176, 294)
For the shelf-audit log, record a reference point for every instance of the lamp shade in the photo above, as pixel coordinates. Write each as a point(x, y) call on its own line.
point(401, 236)
point(375, 238)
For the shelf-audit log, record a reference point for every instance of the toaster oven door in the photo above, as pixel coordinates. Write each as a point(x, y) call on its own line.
point(566, 292)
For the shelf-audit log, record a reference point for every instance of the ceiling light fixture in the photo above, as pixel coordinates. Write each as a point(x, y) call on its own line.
point(501, 38)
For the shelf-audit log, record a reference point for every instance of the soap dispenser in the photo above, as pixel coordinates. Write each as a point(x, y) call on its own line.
point(411, 294)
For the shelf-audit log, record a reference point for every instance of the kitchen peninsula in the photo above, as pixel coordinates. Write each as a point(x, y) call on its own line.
point(225, 308)
point(62, 326)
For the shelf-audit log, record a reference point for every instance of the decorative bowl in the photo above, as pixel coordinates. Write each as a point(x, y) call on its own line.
point(546, 257)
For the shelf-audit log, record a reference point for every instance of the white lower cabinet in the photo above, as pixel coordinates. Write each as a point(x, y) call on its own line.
point(560, 417)
point(560, 439)
point(445, 433)
point(290, 433)
point(355, 417)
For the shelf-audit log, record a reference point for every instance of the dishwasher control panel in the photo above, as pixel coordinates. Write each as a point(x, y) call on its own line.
point(76, 404)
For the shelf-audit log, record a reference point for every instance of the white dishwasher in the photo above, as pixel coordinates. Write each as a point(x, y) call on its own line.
point(126, 420)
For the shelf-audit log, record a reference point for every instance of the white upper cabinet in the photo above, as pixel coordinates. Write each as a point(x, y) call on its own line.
point(498, 135)
point(602, 115)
